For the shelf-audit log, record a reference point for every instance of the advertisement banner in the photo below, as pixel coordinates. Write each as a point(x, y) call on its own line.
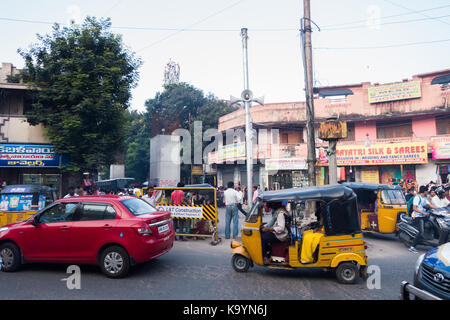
point(286, 164)
point(231, 151)
point(380, 154)
point(183, 212)
point(19, 202)
point(440, 149)
point(394, 91)
point(24, 155)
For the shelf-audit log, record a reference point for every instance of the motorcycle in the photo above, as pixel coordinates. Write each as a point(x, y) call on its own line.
point(436, 228)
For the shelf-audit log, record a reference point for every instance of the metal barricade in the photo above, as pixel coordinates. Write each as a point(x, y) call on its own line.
point(406, 289)
point(191, 220)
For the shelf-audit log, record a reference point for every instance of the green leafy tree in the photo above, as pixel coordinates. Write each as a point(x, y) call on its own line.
point(84, 75)
point(137, 161)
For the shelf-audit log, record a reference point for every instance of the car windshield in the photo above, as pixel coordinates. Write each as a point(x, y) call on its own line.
point(392, 197)
point(138, 206)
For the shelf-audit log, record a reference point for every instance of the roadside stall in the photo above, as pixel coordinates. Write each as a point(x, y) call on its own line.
point(20, 202)
point(193, 209)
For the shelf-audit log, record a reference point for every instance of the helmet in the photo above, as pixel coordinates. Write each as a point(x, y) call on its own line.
point(440, 191)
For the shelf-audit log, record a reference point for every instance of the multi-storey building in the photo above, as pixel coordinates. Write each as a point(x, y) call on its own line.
point(26, 154)
point(395, 131)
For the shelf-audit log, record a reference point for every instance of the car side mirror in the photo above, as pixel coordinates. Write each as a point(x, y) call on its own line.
point(34, 221)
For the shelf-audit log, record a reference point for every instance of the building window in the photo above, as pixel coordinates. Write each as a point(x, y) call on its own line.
point(443, 125)
point(350, 132)
point(394, 129)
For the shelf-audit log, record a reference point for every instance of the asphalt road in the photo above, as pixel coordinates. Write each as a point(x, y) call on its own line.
point(196, 270)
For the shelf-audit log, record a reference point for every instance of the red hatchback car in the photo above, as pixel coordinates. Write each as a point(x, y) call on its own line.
point(114, 232)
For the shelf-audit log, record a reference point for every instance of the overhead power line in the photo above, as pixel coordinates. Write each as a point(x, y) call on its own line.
point(384, 17)
point(415, 11)
point(287, 29)
point(383, 47)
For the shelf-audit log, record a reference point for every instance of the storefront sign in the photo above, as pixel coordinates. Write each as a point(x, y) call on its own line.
point(232, 151)
point(286, 164)
point(370, 176)
point(183, 211)
point(330, 130)
point(24, 155)
point(380, 154)
point(394, 91)
point(197, 170)
point(440, 149)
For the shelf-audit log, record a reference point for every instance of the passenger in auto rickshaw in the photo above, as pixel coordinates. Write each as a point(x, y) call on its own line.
point(311, 237)
point(277, 233)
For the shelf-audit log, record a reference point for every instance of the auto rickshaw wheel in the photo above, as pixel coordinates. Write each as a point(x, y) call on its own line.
point(240, 263)
point(347, 273)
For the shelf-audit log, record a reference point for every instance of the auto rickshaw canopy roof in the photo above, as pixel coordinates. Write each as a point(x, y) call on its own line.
point(26, 188)
point(370, 186)
point(340, 215)
point(320, 193)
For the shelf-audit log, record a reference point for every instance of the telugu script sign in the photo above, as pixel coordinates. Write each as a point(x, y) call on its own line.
point(24, 155)
point(394, 91)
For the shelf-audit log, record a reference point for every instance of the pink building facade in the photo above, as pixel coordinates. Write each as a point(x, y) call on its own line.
point(396, 132)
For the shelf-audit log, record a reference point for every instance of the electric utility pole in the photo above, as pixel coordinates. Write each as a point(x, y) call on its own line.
point(247, 99)
point(305, 33)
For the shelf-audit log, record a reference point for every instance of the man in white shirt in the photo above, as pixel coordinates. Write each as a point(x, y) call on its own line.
point(149, 196)
point(71, 193)
point(440, 200)
point(231, 199)
point(420, 215)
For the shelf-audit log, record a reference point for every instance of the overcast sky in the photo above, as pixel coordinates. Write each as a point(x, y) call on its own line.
point(359, 40)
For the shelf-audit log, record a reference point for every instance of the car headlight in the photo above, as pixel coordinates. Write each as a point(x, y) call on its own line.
point(418, 262)
point(3, 229)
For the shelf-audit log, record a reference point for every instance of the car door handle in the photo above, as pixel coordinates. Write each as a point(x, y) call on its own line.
point(107, 226)
point(64, 228)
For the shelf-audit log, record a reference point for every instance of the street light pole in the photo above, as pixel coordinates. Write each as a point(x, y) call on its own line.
point(248, 121)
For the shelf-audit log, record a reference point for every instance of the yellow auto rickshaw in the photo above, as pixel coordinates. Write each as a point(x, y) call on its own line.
point(334, 242)
point(19, 202)
point(379, 206)
point(196, 215)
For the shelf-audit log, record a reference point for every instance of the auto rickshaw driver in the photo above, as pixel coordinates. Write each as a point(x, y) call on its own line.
point(277, 233)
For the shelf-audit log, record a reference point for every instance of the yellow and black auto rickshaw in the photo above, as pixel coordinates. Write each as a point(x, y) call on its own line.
point(19, 202)
point(334, 243)
point(379, 206)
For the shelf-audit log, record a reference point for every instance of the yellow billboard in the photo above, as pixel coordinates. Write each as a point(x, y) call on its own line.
point(380, 154)
point(394, 91)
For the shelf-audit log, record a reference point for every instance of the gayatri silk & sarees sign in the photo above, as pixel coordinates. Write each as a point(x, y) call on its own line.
point(381, 154)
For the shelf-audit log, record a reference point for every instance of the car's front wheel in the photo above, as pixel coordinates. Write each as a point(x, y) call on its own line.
point(114, 262)
point(10, 255)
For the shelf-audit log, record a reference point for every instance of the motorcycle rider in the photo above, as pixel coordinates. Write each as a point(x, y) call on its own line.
point(420, 215)
point(440, 200)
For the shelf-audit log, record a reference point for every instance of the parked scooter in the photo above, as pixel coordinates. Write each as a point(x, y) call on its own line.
point(436, 229)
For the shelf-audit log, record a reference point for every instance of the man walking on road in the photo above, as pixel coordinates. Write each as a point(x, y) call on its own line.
point(231, 199)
